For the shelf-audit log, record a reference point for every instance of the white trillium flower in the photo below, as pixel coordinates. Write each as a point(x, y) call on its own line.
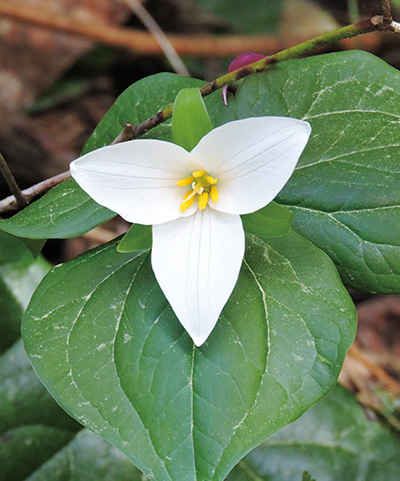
point(194, 201)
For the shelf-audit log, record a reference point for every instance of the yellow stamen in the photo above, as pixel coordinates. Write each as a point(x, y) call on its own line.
point(211, 180)
point(186, 181)
point(203, 199)
point(198, 173)
point(188, 200)
point(214, 194)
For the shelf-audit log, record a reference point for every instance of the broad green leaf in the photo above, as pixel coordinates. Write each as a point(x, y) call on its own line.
point(67, 211)
point(273, 220)
point(19, 276)
point(333, 441)
point(106, 344)
point(345, 192)
point(252, 16)
point(39, 441)
point(190, 120)
point(138, 238)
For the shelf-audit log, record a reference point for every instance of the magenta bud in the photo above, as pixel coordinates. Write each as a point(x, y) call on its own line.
point(240, 61)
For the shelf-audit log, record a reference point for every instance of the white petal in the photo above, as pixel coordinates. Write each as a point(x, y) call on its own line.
point(196, 261)
point(137, 179)
point(252, 159)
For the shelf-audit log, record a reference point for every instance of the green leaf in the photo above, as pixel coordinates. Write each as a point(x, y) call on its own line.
point(90, 458)
point(39, 441)
point(139, 101)
point(345, 192)
point(67, 211)
point(307, 477)
point(34, 245)
point(19, 277)
point(333, 441)
point(190, 120)
point(138, 238)
point(32, 426)
point(13, 249)
point(273, 220)
point(107, 345)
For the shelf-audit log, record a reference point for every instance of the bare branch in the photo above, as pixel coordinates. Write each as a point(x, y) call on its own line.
point(10, 203)
point(387, 11)
point(12, 183)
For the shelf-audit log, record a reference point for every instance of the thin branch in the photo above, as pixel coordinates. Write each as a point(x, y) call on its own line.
point(387, 11)
point(10, 203)
point(153, 27)
point(12, 183)
point(144, 43)
point(266, 63)
point(134, 39)
point(377, 370)
point(131, 131)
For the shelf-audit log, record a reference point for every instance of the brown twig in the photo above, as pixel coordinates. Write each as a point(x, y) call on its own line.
point(153, 27)
point(20, 199)
point(387, 11)
point(377, 370)
point(10, 203)
point(143, 42)
point(137, 40)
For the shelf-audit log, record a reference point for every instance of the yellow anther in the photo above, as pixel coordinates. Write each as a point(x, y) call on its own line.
point(186, 181)
point(202, 186)
point(203, 199)
point(187, 200)
point(211, 180)
point(214, 194)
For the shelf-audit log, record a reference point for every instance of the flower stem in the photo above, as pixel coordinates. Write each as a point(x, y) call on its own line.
point(366, 26)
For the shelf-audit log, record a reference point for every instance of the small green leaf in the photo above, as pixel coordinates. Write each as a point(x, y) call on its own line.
point(273, 220)
point(138, 238)
point(105, 342)
point(333, 441)
point(34, 245)
point(67, 211)
point(307, 477)
point(13, 249)
point(190, 120)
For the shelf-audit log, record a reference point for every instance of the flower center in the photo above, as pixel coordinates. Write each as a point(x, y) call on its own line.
point(203, 186)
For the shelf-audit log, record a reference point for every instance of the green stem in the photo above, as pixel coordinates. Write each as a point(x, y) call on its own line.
point(316, 43)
